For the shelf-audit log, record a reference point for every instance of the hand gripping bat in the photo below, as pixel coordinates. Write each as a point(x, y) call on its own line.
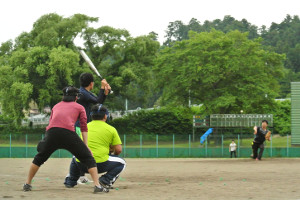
point(91, 65)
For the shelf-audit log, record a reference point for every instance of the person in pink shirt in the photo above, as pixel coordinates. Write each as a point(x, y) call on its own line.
point(60, 134)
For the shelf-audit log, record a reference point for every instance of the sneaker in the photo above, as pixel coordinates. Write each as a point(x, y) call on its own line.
point(83, 180)
point(100, 189)
point(106, 186)
point(27, 187)
point(256, 159)
point(69, 186)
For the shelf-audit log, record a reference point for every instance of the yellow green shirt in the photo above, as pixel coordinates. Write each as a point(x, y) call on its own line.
point(100, 136)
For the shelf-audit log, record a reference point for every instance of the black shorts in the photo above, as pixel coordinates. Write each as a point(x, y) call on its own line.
point(60, 138)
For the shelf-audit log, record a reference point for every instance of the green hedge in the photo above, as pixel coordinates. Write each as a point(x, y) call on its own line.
point(6, 130)
point(167, 121)
point(178, 120)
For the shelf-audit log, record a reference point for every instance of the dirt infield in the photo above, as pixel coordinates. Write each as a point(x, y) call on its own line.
point(163, 179)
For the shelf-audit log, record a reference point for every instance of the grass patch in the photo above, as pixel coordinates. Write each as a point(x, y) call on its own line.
point(167, 142)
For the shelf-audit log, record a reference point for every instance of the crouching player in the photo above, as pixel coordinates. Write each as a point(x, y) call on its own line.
point(102, 139)
point(60, 134)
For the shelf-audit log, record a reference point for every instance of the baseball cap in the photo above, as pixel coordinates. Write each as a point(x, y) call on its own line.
point(70, 91)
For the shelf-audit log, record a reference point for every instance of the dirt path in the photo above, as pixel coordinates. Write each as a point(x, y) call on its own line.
point(163, 179)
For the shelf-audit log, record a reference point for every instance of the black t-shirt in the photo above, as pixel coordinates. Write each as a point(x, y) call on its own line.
point(260, 135)
point(87, 99)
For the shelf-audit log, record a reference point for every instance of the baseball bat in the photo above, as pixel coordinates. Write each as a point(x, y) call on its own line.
point(91, 65)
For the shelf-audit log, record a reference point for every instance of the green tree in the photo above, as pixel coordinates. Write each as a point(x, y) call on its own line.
point(38, 75)
point(14, 94)
point(52, 30)
point(40, 64)
point(225, 72)
point(43, 61)
point(178, 31)
point(285, 38)
point(282, 117)
point(6, 48)
point(124, 61)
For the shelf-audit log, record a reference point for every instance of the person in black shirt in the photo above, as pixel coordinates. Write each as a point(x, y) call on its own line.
point(87, 99)
point(260, 137)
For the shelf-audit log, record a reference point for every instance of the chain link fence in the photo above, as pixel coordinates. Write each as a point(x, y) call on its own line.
point(161, 146)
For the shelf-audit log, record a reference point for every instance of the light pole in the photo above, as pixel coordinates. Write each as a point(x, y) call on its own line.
point(189, 98)
point(241, 133)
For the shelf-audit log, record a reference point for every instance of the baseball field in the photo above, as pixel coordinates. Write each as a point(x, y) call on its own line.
point(189, 178)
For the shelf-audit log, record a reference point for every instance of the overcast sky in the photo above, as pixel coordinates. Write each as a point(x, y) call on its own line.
point(140, 17)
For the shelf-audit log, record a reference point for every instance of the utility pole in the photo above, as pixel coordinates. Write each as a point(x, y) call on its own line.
point(126, 104)
point(189, 98)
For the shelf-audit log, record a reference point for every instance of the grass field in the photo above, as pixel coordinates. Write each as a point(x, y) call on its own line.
point(277, 141)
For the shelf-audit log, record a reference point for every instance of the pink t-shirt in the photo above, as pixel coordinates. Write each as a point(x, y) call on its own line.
point(65, 114)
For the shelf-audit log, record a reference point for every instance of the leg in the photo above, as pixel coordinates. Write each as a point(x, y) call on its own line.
point(230, 154)
point(234, 154)
point(76, 146)
point(113, 166)
point(70, 141)
point(94, 174)
point(74, 173)
point(82, 178)
point(261, 151)
point(45, 148)
point(32, 171)
point(254, 148)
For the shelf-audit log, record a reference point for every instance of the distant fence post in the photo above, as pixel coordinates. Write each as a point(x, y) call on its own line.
point(141, 145)
point(26, 147)
point(193, 134)
point(206, 147)
point(271, 147)
point(173, 145)
point(238, 145)
point(222, 146)
point(10, 145)
point(189, 144)
point(124, 145)
point(287, 145)
point(157, 145)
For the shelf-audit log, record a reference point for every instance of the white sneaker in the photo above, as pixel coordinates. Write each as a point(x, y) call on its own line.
point(83, 180)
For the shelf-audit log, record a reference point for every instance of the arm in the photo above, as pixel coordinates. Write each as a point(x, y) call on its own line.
point(117, 149)
point(84, 137)
point(83, 120)
point(107, 89)
point(255, 130)
point(101, 97)
point(89, 97)
point(268, 136)
point(85, 140)
point(104, 91)
point(116, 145)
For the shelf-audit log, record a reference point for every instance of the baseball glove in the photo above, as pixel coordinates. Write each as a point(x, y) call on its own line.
point(268, 136)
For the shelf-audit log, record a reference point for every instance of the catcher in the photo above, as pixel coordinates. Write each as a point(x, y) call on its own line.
point(261, 134)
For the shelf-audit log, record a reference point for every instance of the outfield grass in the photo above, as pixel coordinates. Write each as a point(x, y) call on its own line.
point(277, 141)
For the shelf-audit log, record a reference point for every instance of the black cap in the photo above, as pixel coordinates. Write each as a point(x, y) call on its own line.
point(70, 91)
